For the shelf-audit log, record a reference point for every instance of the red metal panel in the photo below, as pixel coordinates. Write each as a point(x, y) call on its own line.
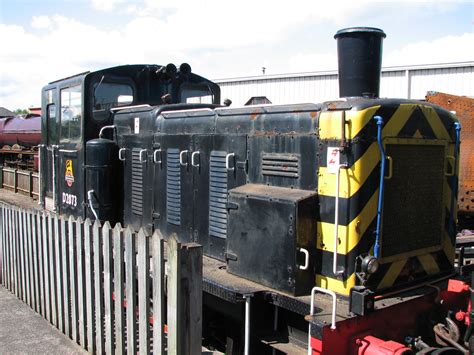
point(464, 109)
point(24, 131)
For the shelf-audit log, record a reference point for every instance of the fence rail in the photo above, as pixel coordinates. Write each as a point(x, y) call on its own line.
point(22, 181)
point(104, 286)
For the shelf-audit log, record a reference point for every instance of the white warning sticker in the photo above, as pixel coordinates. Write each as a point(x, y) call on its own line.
point(137, 125)
point(333, 159)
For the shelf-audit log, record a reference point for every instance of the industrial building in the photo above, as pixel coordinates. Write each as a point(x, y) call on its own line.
point(409, 82)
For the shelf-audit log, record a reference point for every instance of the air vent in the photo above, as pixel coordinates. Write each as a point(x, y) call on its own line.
point(218, 195)
point(283, 165)
point(137, 182)
point(173, 187)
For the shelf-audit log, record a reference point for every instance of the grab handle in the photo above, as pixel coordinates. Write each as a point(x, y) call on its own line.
point(193, 156)
point(227, 161)
point(306, 259)
point(121, 154)
point(181, 157)
point(155, 156)
point(140, 157)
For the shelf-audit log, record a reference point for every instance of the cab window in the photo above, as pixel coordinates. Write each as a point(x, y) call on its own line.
point(110, 95)
point(71, 114)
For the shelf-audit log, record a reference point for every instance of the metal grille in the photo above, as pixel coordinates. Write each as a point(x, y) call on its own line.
point(218, 195)
point(137, 183)
point(413, 199)
point(173, 187)
point(284, 165)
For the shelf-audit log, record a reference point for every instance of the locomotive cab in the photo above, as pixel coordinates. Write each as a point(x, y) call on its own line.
point(78, 109)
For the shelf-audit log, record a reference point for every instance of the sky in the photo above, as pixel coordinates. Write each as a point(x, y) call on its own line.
point(42, 41)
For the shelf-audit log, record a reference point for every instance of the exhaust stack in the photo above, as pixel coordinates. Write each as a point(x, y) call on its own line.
point(359, 51)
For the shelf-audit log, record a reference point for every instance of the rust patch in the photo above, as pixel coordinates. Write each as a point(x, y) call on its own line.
point(313, 115)
point(254, 115)
point(464, 110)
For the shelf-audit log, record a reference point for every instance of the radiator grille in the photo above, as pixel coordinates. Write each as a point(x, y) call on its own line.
point(413, 199)
point(137, 183)
point(284, 165)
point(218, 195)
point(173, 187)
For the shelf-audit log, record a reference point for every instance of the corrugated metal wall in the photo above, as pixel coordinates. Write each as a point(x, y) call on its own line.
point(400, 82)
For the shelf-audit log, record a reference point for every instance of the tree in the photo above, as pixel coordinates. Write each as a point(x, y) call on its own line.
point(20, 111)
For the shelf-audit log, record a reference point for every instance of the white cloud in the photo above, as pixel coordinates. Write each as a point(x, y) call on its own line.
point(441, 50)
point(40, 22)
point(219, 39)
point(105, 5)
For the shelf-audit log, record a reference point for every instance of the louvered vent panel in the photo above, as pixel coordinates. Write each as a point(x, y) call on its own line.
point(283, 165)
point(173, 187)
point(218, 195)
point(137, 183)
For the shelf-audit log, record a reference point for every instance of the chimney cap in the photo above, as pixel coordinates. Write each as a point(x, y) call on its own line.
point(360, 30)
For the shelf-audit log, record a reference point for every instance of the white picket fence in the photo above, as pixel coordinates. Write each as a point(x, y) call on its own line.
point(104, 287)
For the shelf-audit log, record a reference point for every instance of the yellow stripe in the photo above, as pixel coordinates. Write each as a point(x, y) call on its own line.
point(349, 236)
point(392, 274)
point(353, 178)
point(338, 286)
point(448, 248)
point(429, 264)
point(330, 122)
point(435, 123)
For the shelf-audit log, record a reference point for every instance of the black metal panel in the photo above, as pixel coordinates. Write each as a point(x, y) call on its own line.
point(173, 187)
point(277, 160)
point(266, 230)
point(413, 199)
point(218, 195)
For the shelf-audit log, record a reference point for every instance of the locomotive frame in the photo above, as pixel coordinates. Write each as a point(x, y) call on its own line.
point(354, 198)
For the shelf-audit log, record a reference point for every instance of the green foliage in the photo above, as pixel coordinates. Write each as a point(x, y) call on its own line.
point(20, 111)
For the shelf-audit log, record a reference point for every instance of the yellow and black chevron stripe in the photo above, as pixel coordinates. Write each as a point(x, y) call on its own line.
point(407, 121)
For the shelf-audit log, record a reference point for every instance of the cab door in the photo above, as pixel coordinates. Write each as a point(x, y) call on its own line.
point(49, 168)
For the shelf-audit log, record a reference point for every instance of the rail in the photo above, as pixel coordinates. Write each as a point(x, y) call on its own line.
point(25, 182)
point(104, 287)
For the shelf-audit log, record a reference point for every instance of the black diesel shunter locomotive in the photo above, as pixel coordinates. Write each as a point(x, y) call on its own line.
point(355, 197)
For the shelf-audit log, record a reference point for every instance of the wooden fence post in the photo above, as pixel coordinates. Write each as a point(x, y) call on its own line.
point(58, 241)
point(159, 304)
point(130, 272)
point(80, 282)
point(73, 277)
point(184, 297)
point(52, 272)
point(98, 288)
point(31, 279)
point(39, 231)
point(89, 344)
point(143, 266)
point(47, 299)
point(119, 283)
point(21, 233)
point(66, 329)
point(108, 288)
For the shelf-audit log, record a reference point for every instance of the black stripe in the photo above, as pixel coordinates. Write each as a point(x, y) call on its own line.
point(417, 122)
point(412, 270)
point(349, 208)
point(442, 260)
point(324, 259)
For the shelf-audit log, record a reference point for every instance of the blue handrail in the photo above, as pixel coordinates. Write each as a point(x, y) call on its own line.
point(379, 121)
point(454, 186)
